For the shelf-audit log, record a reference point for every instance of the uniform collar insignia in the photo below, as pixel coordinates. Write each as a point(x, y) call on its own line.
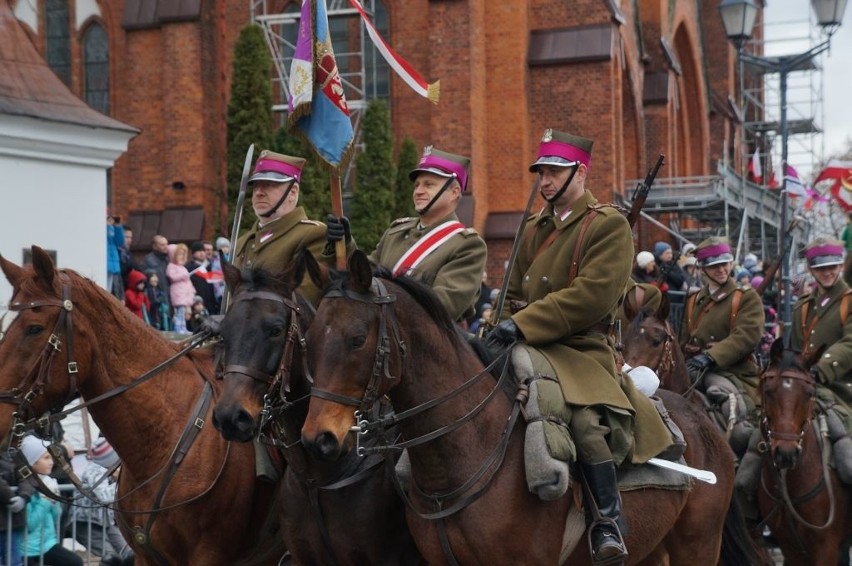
point(265, 236)
point(824, 301)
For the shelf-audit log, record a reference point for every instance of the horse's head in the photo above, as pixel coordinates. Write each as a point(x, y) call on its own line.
point(356, 355)
point(788, 391)
point(40, 357)
point(262, 335)
point(649, 339)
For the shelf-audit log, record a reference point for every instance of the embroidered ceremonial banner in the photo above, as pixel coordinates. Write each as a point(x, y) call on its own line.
point(318, 109)
point(430, 242)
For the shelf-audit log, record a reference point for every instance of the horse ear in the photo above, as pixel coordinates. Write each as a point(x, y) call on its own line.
point(360, 272)
point(776, 351)
point(13, 273)
point(306, 262)
point(811, 359)
point(232, 275)
point(664, 308)
point(44, 268)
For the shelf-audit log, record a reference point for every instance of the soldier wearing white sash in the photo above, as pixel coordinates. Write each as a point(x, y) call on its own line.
point(435, 247)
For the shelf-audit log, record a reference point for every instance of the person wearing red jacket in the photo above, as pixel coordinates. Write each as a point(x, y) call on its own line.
point(135, 297)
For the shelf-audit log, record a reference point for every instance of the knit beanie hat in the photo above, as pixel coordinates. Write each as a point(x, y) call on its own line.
point(661, 247)
point(222, 242)
point(33, 448)
point(103, 454)
point(643, 259)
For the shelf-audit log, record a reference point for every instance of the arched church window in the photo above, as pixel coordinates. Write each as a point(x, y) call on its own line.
point(96, 68)
point(58, 39)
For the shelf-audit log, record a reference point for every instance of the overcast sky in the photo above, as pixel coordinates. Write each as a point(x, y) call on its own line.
point(787, 20)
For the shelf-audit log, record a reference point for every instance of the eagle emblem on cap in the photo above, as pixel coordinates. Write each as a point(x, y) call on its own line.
point(427, 150)
point(548, 135)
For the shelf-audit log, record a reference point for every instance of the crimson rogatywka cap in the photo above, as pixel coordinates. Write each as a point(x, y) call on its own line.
point(562, 150)
point(277, 167)
point(824, 252)
point(442, 164)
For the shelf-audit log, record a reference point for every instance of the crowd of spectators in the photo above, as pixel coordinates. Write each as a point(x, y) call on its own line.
point(174, 287)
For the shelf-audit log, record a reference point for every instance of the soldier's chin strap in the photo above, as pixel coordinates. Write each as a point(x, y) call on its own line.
point(437, 196)
point(555, 197)
point(272, 210)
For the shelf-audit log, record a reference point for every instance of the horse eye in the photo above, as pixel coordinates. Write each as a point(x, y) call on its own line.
point(34, 330)
point(276, 331)
point(358, 341)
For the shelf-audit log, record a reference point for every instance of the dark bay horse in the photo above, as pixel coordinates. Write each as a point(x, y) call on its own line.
point(801, 498)
point(265, 379)
point(467, 495)
point(185, 496)
point(649, 340)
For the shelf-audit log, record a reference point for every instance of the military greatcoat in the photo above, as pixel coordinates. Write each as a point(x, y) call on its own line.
point(564, 320)
point(824, 328)
point(707, 328)
point(454, 270)
point(274, 246)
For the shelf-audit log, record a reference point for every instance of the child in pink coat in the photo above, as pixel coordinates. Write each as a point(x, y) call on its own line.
point(181, 290)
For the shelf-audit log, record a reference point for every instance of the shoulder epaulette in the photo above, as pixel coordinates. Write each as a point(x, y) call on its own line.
point(744, 287)
point(401, 220)
point(309, 221)
point(469, 231)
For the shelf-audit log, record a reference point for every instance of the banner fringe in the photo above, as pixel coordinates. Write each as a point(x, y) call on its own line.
point(433, 92)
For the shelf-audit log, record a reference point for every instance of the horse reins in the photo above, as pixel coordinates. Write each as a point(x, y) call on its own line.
point(767, 449)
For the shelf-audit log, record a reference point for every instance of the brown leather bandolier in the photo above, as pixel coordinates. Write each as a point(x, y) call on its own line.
point(692, 349)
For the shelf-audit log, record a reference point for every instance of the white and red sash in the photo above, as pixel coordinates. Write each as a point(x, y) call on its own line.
point(430, 242)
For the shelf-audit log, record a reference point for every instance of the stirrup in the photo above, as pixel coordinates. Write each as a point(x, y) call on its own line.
point(615, 533)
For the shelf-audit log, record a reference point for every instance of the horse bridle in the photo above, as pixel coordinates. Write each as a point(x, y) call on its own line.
point(766, 448)
point(381, 363)
point(765, 425)
point(23, 398)
point(275, 399)
point(666, 361)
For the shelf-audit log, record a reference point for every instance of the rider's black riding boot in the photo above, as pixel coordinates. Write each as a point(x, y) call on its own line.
point(607, 535)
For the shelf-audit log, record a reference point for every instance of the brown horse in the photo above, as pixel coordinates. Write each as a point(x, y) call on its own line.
point(649, 340)
point(468, 498)
point(804, 503)
point(263, 373)
point(179, 478)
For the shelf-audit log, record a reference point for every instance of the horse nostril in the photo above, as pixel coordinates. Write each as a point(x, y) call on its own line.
point(324, 447)
point(236, 425)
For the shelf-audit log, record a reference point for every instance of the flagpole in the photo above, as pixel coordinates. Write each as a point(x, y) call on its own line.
point(337, 210)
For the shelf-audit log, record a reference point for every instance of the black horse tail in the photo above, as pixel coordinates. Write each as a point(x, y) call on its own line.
point(738, 547)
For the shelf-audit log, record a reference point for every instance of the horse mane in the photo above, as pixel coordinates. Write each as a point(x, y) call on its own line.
point(417, 290)
point(259, 278)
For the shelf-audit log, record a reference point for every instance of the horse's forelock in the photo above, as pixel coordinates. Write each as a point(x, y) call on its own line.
point(791, 360)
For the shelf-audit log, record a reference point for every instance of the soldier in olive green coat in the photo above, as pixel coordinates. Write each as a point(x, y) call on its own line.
point(722, 326)
point(572, 268)
point(435, 247)
point(821, 321)
point(282, 228)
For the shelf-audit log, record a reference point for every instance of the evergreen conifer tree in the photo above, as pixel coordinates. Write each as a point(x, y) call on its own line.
point(408, 159)
point(372, 204)
point(249, 118)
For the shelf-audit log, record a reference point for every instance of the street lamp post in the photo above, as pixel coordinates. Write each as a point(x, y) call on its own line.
point(738, 18)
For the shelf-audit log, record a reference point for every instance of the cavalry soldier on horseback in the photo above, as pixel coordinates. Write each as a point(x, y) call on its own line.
point(571, 270)
point(723, 324)
point(435, 247)
point(821, 321)
point(282, 228)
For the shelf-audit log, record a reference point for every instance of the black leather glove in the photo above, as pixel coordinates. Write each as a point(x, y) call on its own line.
point(504, 334)
point(338, 229)
point(211, 324)
point(699, 365)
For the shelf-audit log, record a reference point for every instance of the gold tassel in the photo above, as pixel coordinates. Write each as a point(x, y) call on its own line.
point(433, 92)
